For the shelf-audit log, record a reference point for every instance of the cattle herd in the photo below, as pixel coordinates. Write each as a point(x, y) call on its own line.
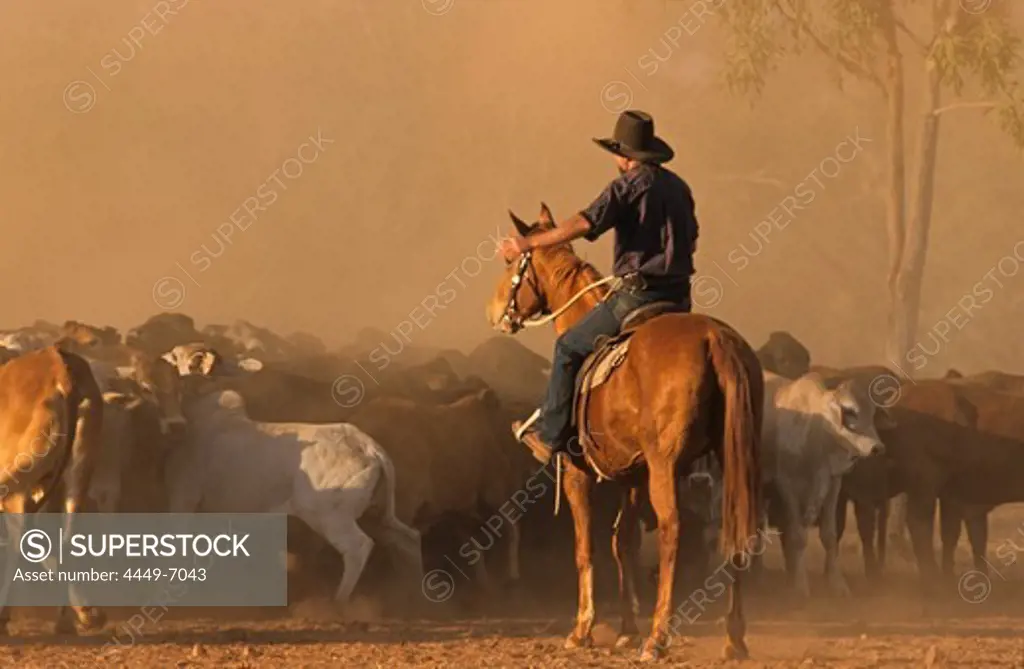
point(411, 455)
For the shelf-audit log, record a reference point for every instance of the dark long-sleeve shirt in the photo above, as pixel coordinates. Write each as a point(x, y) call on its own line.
point(653, 214)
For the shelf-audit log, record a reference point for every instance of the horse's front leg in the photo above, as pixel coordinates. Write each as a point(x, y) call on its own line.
point(624, 546)
point(577, 486)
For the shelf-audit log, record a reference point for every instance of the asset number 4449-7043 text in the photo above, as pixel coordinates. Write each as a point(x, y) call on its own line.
point(173, 574)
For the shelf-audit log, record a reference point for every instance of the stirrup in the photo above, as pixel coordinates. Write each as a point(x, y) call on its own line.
point(525, 427)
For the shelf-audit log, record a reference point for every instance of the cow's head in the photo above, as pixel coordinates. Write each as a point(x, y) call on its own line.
point(856, 419)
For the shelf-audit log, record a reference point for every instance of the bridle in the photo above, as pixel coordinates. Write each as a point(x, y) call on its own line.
point(511, 318)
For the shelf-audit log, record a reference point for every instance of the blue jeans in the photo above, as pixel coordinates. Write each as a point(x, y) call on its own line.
point(554, 426)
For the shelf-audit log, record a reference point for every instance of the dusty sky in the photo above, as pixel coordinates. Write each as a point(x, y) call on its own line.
point(433, 118)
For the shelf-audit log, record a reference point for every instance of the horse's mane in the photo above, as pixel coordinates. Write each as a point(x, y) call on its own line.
point(566, 266)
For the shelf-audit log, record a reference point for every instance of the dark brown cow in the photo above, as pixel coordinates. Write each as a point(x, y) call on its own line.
point(458, 463)
point(1007, 383)
point(954, 514)
point(51, 417)
point(964, 441)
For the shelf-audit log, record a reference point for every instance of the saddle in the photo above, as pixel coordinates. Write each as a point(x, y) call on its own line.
point(607, 356)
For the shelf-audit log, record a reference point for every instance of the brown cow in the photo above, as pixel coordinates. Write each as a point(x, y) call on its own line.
point(954, 514)
point(51, 416)
point(962, 440)
point(1007, 383)
point(457, 461)
point(867, 487)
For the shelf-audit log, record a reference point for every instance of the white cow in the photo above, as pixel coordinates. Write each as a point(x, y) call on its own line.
point(811, 437)
point(332, 477)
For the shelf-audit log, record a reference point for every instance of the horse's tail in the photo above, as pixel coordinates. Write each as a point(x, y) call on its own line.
point(741, 442)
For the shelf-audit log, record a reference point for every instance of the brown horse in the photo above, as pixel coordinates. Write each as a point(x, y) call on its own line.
point(689, 385)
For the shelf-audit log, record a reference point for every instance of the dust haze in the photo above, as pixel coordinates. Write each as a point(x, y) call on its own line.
point(395, 135)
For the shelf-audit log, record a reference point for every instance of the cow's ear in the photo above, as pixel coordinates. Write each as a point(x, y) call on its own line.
point(884, 419)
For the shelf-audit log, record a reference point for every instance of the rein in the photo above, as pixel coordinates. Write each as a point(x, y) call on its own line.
point(516, 322)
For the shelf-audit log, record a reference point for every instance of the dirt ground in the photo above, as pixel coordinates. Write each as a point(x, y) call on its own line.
point(968, 623)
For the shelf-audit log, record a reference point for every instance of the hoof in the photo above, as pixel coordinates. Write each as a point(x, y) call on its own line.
point(626, 641)
point(572, 642)
point(732, 651)
point(651, 652)
point(92, 621)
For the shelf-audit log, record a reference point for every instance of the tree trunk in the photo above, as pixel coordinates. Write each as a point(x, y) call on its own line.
point(909, 278)
point(895, 211)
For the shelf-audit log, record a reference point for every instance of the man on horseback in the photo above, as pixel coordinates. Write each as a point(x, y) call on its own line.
point(651, 210)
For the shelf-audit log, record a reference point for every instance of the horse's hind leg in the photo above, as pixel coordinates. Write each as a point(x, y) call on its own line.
point(735, 623)
point(577, 486)
point(624, 546)
point(663, 499)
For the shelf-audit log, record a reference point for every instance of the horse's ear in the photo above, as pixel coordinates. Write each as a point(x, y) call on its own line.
point(545, 215)
point(521, 227)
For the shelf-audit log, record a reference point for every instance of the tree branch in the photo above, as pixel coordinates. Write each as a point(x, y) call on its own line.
point(847, 63)
point(964, 105)
point(905, 29)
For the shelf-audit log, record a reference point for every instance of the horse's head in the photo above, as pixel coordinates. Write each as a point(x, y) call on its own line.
point(521, 292)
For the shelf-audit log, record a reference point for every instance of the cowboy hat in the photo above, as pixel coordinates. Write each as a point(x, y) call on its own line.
point(634, 138)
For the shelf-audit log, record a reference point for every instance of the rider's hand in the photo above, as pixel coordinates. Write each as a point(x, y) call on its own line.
point(513, 247)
